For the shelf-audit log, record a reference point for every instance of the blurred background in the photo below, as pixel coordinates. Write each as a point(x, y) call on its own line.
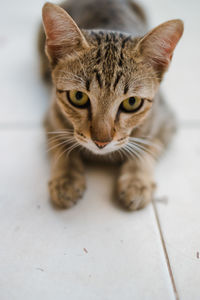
point(19, 62)
point(95, 251)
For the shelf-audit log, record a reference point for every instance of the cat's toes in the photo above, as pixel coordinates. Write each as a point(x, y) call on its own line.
point(65, 191)
point(136, 194)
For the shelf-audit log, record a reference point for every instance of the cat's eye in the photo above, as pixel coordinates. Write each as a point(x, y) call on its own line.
point(78, 98)
point(132, 104)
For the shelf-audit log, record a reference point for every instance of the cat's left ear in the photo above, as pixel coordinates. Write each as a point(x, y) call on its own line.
point(158, 45)
point(62, 34)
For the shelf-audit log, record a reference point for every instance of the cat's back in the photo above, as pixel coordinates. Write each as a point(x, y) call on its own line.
point(119, 15)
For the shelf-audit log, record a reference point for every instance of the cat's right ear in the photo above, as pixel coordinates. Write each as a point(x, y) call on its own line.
point(62, 34)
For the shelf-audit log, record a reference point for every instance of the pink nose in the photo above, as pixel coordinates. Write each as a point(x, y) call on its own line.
point(101, 145)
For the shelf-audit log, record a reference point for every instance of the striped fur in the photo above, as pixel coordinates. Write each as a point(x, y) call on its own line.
point(110, 59)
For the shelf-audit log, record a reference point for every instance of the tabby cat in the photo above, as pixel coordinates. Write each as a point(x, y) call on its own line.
point(105, 72)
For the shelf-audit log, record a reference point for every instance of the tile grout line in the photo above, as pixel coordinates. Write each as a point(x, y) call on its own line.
point(165, 251)
point(192, 124)
point(20, 126)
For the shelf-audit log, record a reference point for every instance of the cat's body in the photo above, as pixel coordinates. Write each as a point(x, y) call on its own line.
point(101, 66)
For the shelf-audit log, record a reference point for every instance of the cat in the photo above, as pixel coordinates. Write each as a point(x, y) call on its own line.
point(106, 68)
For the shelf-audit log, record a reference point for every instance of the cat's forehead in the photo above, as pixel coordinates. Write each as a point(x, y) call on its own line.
point(108, 68)
point(109, 57)
point(110, 63)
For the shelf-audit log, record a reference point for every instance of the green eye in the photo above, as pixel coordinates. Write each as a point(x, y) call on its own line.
point(78, 98)
point(132, 104)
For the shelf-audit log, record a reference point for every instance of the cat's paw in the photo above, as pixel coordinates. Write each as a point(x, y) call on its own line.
point(135, 193)
point(65, 191)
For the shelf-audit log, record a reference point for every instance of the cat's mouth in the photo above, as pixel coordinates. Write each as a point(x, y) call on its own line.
point(101, 148)
point(126, 146)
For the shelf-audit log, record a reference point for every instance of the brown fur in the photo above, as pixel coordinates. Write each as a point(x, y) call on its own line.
point(110, 59)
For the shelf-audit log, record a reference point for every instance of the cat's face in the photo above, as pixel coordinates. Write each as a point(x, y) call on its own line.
point(104, 91)
point(105, 82)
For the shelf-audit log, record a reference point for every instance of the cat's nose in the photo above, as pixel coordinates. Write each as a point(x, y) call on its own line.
point(101, 145)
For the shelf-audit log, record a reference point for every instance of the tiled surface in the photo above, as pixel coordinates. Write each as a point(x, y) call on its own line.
point(95, 250)
point(179, 217)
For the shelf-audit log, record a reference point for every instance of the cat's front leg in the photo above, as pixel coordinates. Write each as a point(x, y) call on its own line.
point(67, 183)
point(135, 185)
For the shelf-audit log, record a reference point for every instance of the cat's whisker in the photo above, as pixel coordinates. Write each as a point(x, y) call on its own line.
point(56, 143)
point(132, 151)
point(142, 141)
point(142, 77)
point(120, 153)
point(59, 144)
point(61, 131)
point(146, 141)
point(142, 149)
point(69, 73)
point(62, 152)
point(73, 81)
point(136, 150)
point(70, 149)
point(123, 153)
point(63, 78)
point(129, 154)
point(66, 150)
point(137, 147)
point(60, 138)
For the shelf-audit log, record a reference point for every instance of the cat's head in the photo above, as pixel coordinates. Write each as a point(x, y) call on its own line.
point(106, 81)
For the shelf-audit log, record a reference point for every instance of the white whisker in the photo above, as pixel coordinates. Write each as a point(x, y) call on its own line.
point(72, 147)
point(60, 138)
point(66, 150)
point(61, 131)
point(145, 141)
point(59, 144)
point(135, 151)
point(142, 148)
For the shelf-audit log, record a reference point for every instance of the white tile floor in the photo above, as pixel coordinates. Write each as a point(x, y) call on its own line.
point(95, 250)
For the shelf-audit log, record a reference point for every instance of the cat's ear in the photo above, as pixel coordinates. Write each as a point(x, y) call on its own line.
point(62, 34)
point(158, 45)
